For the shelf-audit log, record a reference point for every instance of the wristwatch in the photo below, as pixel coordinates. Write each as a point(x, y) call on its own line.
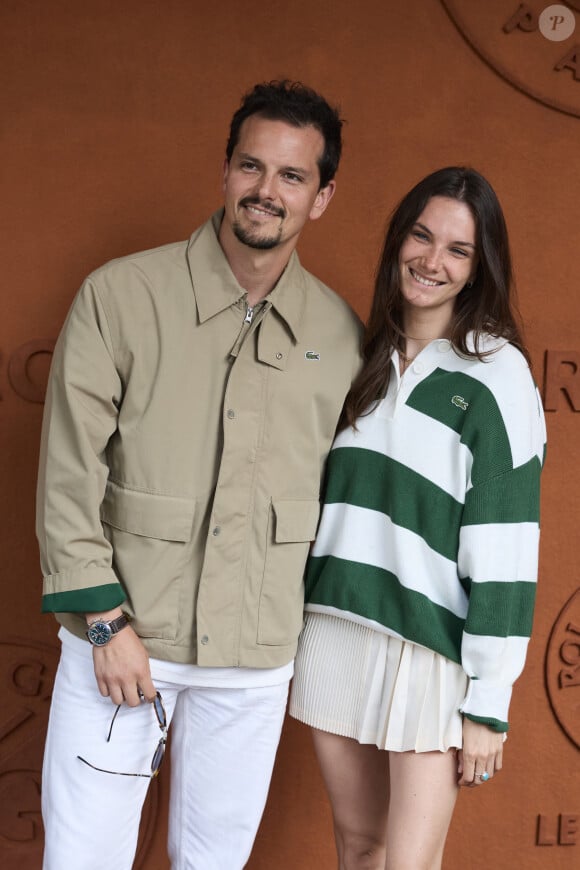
point(100, 631)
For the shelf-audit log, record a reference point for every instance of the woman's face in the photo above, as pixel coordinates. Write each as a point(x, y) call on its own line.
point(438, 257)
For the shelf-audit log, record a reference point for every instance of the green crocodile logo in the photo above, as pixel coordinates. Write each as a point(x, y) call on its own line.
point(460, 402)
point(311, 354)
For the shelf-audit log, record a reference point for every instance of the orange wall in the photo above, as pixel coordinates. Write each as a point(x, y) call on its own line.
point(113, 129)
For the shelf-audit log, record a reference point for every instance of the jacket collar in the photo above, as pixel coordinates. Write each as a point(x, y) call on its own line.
point(215, 287)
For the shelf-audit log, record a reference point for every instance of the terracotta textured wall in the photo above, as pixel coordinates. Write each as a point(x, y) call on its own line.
point(114, 118)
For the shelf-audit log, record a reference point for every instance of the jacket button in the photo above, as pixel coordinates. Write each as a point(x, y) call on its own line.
point(279, 356)
point(215, 532)
point(231, 414)
point(205, 639)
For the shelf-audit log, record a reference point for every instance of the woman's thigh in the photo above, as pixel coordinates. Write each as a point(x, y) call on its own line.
point(390, 809)
point(424, 790)
point(357, 780)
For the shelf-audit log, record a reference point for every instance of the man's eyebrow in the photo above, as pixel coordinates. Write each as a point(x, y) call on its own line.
point(244, 155)
point(457, 242)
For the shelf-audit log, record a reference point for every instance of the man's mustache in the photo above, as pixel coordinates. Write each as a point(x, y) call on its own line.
point(271, 209)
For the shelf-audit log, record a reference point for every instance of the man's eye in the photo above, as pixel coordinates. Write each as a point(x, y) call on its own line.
point(292, 176)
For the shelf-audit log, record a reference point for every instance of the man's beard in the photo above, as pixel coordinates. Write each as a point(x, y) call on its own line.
point(252, 237)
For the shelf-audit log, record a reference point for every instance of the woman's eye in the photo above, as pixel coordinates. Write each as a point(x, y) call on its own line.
point(419, 234)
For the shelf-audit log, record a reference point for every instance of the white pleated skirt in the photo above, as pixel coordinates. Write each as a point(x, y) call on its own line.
point(357, 682)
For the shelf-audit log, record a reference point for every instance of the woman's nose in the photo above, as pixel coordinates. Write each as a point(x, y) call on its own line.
point(432, 259)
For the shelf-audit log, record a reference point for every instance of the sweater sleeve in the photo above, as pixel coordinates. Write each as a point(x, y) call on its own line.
point(498, 559)
point(83, 396)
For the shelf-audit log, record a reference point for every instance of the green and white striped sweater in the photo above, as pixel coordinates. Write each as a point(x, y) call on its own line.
point(430, 525)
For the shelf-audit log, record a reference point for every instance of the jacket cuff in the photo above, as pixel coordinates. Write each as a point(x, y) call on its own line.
point(84, 590)
point(487, 703)
point(84, 600)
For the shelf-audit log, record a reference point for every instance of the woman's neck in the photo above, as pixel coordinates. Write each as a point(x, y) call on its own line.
point(421, 328)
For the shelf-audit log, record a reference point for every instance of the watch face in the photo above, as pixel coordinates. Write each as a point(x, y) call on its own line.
point(99, 633)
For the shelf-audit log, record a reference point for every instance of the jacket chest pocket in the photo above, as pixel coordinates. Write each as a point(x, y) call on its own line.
point(151, 536)
point(292, 526)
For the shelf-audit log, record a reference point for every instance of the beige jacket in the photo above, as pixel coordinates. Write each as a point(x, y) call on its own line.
point(183, 448)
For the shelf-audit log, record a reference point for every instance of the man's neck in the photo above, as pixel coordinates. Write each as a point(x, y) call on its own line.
point(255, 270)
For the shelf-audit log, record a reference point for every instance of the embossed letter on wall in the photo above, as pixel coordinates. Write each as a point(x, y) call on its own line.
point(563, 668)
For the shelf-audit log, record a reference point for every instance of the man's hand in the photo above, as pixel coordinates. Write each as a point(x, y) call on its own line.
point(122, 666)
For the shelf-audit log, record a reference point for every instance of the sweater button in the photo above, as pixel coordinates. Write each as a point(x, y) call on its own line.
point(279, 356)
point(231, 414)
point(205, 639)
point(215, 532)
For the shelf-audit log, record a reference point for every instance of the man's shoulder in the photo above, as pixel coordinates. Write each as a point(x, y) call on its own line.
point(329, 301)
point(150, 260)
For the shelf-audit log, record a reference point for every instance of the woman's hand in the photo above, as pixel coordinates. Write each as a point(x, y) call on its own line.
point(482, 753)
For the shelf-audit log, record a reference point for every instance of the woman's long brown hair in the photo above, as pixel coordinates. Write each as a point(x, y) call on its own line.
point(485, 307)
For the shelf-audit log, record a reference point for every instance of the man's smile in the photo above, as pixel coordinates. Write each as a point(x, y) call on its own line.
point(255, 207)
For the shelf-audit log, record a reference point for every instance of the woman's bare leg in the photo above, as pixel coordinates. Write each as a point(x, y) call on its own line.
point(371, 835)
point(357, 780)
point(424, 790)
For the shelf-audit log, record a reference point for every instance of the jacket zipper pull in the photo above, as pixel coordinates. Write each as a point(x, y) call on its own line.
point(249, 315)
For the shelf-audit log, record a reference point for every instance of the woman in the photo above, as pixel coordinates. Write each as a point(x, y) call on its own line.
point(421, 582)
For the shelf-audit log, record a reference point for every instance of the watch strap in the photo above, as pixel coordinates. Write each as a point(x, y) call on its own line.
point(117, 624)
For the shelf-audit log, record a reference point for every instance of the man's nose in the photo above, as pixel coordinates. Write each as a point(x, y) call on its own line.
point(267, 187)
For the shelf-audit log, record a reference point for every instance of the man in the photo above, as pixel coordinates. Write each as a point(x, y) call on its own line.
point(193, 398)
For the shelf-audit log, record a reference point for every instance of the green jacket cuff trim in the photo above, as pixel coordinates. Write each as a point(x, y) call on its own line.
point(494, 724)
point(84, 600)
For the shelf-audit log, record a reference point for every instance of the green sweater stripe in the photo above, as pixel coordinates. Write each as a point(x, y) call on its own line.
point(376, 594)
point(508, 498)
point(494, 724)
point(368, 479)
point(91, 600)
point(446, 397)
point(501, 609)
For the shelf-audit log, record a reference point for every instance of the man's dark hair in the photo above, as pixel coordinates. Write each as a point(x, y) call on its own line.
point(299, 106)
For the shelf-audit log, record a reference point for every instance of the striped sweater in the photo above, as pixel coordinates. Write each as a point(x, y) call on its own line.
point(430, 525)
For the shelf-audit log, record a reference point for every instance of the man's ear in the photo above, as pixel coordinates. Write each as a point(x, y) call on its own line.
point(323, 197)
point(226, 169)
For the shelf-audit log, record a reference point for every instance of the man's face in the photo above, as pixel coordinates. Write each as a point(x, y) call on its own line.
point(271, 183)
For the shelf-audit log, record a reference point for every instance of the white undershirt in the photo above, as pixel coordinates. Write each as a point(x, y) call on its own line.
point(194, 675)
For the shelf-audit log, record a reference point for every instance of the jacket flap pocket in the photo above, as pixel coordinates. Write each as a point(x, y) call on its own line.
point(143, 513)
point(296, 519)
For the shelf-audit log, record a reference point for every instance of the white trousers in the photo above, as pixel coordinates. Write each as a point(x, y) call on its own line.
point(223, 745)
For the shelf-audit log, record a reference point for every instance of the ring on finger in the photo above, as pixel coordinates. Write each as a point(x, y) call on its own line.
point(482, 776)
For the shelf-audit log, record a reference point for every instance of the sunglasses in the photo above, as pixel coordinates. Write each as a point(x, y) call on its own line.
point(159, 753)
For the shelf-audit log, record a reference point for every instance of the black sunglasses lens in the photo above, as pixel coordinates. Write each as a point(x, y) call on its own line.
point(160, 711)
point(158, 758)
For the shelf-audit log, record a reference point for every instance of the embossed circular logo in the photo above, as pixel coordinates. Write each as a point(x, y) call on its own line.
point(534, 46)
point(563, 668)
